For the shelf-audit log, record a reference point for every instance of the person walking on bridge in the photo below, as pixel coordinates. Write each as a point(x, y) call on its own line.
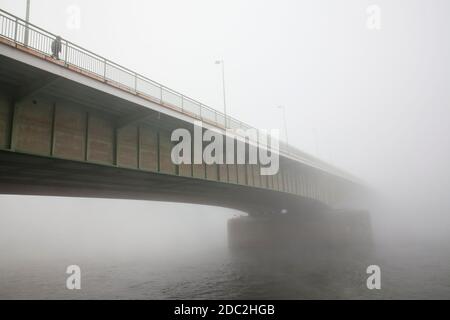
point(56, 47)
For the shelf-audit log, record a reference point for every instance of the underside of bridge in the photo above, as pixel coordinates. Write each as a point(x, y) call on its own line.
point(37, 175)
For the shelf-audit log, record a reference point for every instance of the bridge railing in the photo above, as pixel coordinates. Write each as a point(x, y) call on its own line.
point(73, 56)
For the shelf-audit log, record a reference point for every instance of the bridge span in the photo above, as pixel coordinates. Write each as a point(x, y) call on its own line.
point(82, 125)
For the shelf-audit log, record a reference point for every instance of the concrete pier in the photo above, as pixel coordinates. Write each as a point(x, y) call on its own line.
point(319, 235)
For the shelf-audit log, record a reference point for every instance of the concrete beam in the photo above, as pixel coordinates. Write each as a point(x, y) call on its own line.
point(35, 87)
point(133, 118)
point(82, 102)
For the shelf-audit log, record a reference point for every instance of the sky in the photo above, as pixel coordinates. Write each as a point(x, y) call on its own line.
point(372, 102)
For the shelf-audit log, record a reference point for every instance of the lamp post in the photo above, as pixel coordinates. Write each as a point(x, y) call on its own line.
point(223, 87)
point(27, 19)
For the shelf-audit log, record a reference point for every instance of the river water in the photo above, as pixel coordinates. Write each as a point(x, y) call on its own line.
point(227, 275)
point(172, 256)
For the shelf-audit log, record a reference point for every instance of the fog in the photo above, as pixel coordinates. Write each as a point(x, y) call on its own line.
point(375, 103)
point(71, 228)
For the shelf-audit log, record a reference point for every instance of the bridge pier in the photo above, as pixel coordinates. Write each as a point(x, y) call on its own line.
point(322, 235)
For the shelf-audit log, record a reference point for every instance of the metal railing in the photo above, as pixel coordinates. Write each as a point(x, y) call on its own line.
point(15, 29)
point(39, 40)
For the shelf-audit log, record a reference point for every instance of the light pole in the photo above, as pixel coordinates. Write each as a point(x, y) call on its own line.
point(223, 85)
point(27, 19)
point(285, 123)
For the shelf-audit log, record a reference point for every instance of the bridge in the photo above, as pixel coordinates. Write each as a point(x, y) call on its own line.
point(82, 125)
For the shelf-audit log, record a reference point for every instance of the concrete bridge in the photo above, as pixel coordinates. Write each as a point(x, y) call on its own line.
point(82, 125)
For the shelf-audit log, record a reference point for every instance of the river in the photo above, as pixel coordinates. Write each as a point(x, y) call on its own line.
point(162, 255)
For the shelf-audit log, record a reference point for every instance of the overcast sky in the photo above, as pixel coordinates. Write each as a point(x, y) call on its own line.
point(373, 102)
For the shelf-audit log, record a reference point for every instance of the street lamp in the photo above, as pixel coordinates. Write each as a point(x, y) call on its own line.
point(285, 123)
point(223, 85)
point(27, 19)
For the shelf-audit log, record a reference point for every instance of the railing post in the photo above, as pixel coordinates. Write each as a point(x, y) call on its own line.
point(27, 32)
point(135, 82)
point(15, 30)
point(65, 53)
point(104, 70)
point(182, 103)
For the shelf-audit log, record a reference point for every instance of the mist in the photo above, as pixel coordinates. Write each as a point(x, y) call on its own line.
point(375, 103)
point(81, 228)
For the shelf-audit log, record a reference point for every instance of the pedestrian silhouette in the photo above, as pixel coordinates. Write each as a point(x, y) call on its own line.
point(56, 47)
